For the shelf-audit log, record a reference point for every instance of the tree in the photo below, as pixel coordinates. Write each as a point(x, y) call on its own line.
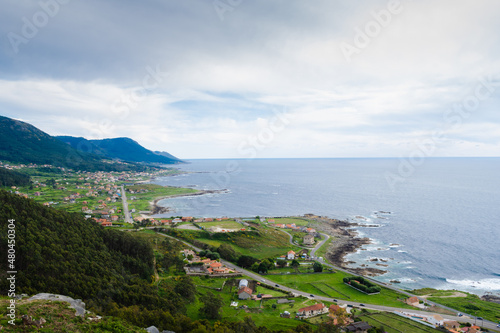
point(255, 267)
point(211, 306)
point(186, 288)
point(268, 263)
point(262, 268)
point(281, 263)
point(317, 267)
point(227, 252)
point(295, 264)
point(246, 261)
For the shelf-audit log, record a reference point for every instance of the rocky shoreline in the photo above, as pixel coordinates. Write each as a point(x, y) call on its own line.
point(346, 241)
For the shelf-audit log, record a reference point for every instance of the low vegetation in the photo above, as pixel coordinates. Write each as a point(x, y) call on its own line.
point(472, 305)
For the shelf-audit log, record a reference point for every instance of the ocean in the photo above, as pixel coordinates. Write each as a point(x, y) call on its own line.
point(438, 219)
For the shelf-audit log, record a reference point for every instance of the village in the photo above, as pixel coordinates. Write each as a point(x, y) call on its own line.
point(339, 314)
point(98, 196)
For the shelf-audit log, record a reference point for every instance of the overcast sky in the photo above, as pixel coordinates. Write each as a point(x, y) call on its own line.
point(258, 78)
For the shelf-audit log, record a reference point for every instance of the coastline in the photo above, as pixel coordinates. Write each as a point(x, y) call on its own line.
point(157, 209)
point(346, 241)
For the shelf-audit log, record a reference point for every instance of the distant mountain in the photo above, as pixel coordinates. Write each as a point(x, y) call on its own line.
point(164, 153)
point(124, 149)
point(21, 142)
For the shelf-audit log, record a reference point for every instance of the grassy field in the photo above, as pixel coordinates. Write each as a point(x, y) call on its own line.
point(433, 292)
point(393, 323)
point(290, 220)
point(265, 243)
point(261, 312)
point(472, 305)
point(321, 252)
point(331, 285)
point(226, 224)
point(142, 203)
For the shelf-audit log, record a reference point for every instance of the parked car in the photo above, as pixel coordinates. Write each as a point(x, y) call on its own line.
point(361, 304)
point(278, 285)
point(311, 295)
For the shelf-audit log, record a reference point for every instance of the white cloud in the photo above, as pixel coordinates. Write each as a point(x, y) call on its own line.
point(225, 78)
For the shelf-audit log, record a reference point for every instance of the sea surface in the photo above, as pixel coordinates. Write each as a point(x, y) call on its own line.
point(439, 219)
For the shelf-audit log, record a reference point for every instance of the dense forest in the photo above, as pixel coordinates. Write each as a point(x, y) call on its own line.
point(13, 178)
point(110, 270)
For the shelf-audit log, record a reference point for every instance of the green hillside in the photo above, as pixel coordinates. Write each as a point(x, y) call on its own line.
point(124, 149)
point(21, 142)
point(13, 178)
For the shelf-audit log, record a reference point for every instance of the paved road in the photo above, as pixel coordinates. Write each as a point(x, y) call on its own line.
point(257, 277)
point(128, 218)
point(291, 239)
point(316, 248)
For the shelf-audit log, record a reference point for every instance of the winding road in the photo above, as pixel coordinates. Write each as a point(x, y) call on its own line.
point(486, 324)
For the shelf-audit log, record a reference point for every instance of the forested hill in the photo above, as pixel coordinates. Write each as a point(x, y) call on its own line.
point(124, 149)
point(13, 178)
point(21, 142)
point(110, 270)
point(59, 252)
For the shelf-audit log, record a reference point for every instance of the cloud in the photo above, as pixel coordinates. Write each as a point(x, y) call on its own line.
point(223, 80)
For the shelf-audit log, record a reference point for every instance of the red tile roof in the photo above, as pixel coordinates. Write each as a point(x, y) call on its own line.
point(245, 289)
point(315, 307)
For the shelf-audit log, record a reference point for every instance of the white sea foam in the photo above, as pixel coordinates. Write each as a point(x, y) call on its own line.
point(407, 280)
point(484, 284)
point(402, 251)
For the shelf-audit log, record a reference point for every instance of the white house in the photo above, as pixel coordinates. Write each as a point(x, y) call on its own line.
point(435, 320)
point(290, 255)
point(312, 310)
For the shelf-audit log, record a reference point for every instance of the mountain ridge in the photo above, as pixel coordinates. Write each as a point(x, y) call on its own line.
point(122, 148)
point(21, 142)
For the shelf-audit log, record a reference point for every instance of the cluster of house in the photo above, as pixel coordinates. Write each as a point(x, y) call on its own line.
point(31, 165)
point(291, 255)
point(209, 219)
point(206, 266)
point(294, 227)
point(160, 222)
point(338, 315)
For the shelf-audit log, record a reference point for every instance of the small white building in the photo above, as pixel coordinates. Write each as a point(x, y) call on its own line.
point(435, 320)
point(290, 255)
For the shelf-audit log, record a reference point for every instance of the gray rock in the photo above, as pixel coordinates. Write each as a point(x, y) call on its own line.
point(76, 304)
point(152, 329)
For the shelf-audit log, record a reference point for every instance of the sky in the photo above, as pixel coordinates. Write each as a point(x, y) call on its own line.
point(258, 79)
